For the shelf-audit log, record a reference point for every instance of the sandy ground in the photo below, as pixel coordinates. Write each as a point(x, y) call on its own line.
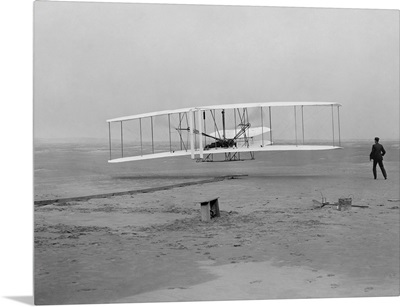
point(271, 241)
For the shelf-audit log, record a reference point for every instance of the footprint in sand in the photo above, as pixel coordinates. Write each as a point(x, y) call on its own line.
point(256, 282)
point(86, 289)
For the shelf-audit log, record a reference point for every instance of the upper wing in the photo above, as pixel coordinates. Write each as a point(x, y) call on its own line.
point(268, 104)
point(226, 106)
point(151, 114)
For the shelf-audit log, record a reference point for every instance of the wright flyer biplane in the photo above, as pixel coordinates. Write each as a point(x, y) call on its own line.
point(228, 132)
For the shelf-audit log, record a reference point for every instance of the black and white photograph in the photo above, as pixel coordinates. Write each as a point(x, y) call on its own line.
point(201, 152)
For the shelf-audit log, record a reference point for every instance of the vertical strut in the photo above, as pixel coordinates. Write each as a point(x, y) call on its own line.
point(122, 143)
point(191, 133)
point(169, 132)
point(152, 134)
point(295, 124)
point(205, 130)
point(302, 121)
point(247, 121)
point(270, 125)
point(338, 125)
point(141, 140)
point(223, 124)
point(109, 137)
point(188, 125)
point(333, 129)
point(262, 129)
point(234, 116)
point(200, 134)
point(194, 129)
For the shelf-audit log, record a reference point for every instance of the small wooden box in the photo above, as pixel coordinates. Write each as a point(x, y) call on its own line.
point(209, 209)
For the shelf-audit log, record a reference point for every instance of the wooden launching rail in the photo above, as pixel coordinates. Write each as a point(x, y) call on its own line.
point(45, 202)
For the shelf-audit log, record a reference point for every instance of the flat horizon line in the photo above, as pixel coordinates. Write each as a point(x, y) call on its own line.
point(82, 138)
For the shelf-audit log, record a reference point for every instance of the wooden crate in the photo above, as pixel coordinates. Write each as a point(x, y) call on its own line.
point(209, 209)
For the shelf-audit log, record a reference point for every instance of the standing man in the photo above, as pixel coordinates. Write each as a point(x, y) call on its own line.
point(377, 154)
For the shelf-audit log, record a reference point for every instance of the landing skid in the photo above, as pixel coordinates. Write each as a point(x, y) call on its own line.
point(228, 157)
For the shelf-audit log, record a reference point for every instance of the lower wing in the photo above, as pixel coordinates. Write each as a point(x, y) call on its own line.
point(218, 150)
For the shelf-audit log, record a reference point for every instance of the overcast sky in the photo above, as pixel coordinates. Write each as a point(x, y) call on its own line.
point(96, 61)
